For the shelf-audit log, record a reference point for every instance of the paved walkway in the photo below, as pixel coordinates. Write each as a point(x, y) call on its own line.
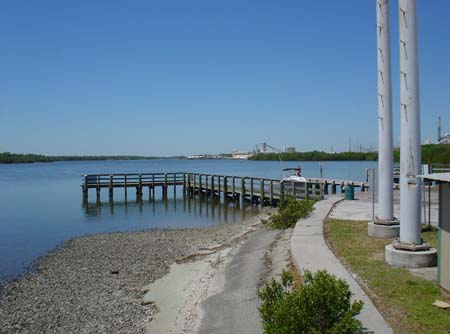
point(361, 208)
point(235, 309)
point(310, 252)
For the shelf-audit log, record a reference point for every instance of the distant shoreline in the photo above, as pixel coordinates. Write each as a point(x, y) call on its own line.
point(12, 158)
point(431, 154)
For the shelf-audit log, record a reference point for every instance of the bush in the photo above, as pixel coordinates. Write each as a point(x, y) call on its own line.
point(290, 210)
point(321, 304)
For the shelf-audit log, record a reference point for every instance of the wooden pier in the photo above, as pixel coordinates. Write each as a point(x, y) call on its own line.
point(260, 191)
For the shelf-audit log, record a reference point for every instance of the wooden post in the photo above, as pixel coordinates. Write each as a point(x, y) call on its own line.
point(206, 185)
point(243, 189)
point(194, 182)
point(139, 189)
point(111, 193)
point(200, 187)
point(271, 192)
point(153, 186)
point(212, 187)
point(126, 187)
point(261, 193)
point(307, 190)
point(234, 187)
point(175, 185)
point(218, 182)
point(98, 188)
point(225, 188)
point(363, 188)
point(85, 189)
point(294, 190)
point(251, 190)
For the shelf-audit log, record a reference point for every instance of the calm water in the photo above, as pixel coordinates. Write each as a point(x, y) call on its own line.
point(41, 204)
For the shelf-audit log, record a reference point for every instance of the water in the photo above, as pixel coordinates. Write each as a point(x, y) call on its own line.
point(41, 204)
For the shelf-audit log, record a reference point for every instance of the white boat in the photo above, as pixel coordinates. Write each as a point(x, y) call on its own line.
point(293, 175)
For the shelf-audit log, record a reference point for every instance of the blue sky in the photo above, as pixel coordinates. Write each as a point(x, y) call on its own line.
point(184, 77)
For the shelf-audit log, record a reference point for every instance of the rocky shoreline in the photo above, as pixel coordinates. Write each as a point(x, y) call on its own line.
point(93, 284)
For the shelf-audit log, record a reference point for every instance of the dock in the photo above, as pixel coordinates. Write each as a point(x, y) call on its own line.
point(251, 190)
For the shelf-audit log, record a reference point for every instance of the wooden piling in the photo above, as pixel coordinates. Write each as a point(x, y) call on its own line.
point(225, 187)
point(271, 192)
point(111, 189)
point(243, 189)
point(261, 195)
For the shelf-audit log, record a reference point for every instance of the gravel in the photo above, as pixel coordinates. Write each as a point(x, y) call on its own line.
point(93, 284)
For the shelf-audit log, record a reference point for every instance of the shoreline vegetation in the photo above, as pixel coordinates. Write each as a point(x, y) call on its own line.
point(431, 154)
point(10, 158)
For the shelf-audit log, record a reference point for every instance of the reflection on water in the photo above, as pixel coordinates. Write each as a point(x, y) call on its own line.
point(40, 203)
point(211, 210)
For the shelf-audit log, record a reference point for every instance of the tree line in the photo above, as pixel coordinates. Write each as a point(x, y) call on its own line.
point(431, 154)
point(8, 158)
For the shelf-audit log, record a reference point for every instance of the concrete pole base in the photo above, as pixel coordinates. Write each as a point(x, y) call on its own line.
point(410, 259)
point(383, 231)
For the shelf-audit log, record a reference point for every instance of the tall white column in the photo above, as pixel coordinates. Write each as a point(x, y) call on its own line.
point(410, 154)
point(385, 137)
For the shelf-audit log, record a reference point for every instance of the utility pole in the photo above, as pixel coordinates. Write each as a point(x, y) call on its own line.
point(410, 250)
point(439, 130)
point(410, 154)
point(384, 224)
point(385, 135)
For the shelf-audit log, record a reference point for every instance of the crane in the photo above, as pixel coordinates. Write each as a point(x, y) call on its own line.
point(265, 146)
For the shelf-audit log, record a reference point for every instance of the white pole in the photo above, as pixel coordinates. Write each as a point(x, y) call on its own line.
point(385, 137)
point(410, 155)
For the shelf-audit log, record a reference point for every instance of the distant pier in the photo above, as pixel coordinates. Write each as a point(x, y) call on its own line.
point(252, 190)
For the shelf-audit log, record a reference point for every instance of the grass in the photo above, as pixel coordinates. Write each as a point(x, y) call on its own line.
point(404, 299)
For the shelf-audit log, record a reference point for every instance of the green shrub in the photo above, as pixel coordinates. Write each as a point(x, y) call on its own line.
point(321, 304)
point(290, 210)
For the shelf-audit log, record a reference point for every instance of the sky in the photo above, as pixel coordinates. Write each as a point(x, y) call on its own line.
point(177, 77)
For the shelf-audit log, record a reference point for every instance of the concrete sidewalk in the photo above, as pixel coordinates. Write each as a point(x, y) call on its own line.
point(361, 208)
point(310, 252)
point(235, 309)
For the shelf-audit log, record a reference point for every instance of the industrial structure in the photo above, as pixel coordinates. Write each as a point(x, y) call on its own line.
point(267, 148)
point(445, 139)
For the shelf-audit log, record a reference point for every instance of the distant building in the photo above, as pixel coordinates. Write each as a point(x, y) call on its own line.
point(236, 154)
point(197, 156)
point(289, 149)
point(445, 139)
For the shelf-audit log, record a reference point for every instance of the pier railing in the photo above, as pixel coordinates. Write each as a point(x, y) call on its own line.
point(262, 191)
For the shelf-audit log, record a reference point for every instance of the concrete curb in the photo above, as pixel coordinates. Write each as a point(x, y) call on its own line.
point(310, 252)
